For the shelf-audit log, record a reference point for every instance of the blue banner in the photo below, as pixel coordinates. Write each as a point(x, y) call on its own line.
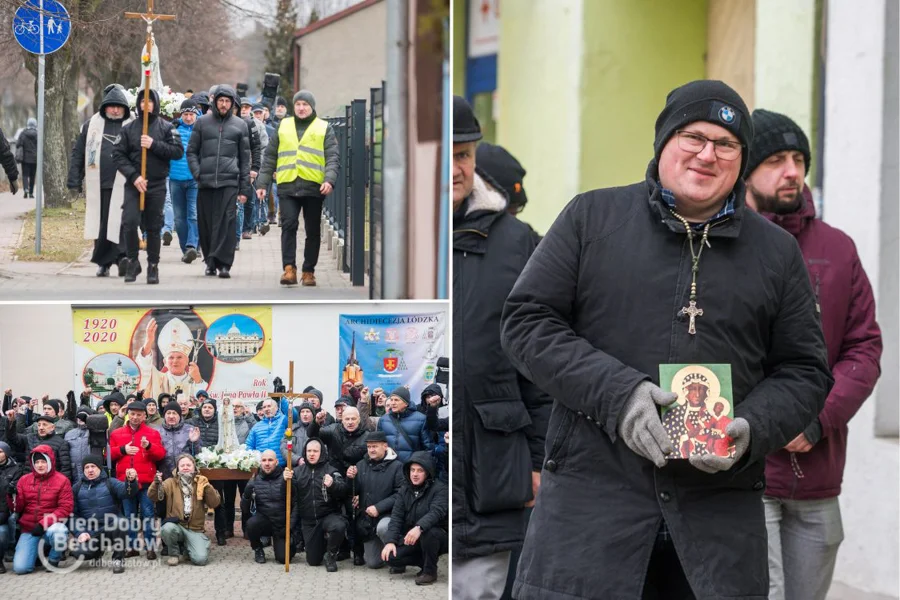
point(388, 351)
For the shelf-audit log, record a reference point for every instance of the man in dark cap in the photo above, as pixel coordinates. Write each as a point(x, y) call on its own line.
point(803, 480)
point(304, 160)
point(53, 409)
point(219, 158)
point(93, 170)
point(671, 270)
point(503, 168)
point(490, 249)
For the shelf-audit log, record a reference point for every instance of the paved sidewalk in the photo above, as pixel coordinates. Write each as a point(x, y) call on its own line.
point(231, 573)
point(255, 274)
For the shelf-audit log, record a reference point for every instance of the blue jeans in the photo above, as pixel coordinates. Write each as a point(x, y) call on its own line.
point(184, 203)
point(168, 214)
point(27, 548)
point(250, 213)
point(239, 221)
point(5, 538)
point(147, 514)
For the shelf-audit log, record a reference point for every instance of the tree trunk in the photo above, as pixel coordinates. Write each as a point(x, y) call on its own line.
point(72, 126)
point(57, 143)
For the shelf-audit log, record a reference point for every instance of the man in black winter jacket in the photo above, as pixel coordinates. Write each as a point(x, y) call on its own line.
point(45, 434)
point(671, 270)
point(10, 472)
point(304, 159)
point(374, 483)
point(499, 416)
point(265, 502)
point(27, 142)
point(219, 159)
point(208, 424)
point(322, 491)
point(163, 145)
point(417, 535)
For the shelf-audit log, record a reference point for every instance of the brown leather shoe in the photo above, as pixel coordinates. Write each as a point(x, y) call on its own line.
point(308, 279)
point(151, 555)
point(290, 276)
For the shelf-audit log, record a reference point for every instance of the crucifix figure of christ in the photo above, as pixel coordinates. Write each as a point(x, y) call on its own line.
point(289, 434)
point(149, 17)
point(692, 312)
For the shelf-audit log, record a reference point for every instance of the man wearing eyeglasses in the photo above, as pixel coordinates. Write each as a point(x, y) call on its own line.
point(671, 270)
point(803, 480)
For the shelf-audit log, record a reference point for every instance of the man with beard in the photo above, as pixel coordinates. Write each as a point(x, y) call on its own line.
point(219, 158)
point(374, 482)
point(91, 165)
point(163, 145)
point(803, 480)
point(176, 345)
point(417, 534)
point(264, 501)
point(616, 289)
point(500, 417)
point(322, 491)
point(304, 159)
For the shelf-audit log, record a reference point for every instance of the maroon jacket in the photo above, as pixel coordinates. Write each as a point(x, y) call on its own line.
point(853, 340)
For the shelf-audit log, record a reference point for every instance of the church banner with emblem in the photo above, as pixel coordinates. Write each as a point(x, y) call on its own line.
point(388, 351)
point(219, 349)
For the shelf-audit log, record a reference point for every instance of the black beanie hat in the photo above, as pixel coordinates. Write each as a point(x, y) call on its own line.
point(56, 404)
point(705, 100)
point(774, 132)
point(92, 459)
point(401, 392)
point(308, 406)
point(259, 406)
point(172, 406)
point(466, 127)
point(504, 169)
point(342, 401)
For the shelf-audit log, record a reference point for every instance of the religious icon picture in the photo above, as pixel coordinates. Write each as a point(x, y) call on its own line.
point(696, 422)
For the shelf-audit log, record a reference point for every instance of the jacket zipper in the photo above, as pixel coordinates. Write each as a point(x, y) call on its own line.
point(218, 152)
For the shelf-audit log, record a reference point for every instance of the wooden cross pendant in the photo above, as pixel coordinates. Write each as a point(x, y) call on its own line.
point(693, 312)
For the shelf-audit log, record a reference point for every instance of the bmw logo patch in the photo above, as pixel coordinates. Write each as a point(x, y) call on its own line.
point(726, 113)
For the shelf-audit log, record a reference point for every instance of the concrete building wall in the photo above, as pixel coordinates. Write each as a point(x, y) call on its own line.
point(634, 54)
point(37, 349)
point(539, 89)
point(854, 129)
point(342, 60)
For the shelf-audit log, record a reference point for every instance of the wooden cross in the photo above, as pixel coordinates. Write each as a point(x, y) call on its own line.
point(149, 17)
point(693, 312)
point(289, 434)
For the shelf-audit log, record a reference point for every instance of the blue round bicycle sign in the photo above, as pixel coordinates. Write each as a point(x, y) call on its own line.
point(42, 26)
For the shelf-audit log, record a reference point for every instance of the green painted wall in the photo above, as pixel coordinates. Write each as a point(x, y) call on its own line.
point(459, 47)
point(635, 52)
point(538, 114)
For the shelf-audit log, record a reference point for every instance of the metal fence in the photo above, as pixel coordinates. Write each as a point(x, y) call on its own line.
point(335, 207)
point(376, 192)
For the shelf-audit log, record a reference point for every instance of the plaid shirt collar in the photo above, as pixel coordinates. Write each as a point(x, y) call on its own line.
point(727, 208)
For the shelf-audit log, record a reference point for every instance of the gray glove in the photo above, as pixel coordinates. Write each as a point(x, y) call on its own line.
point(739, 431)
point(640, 426)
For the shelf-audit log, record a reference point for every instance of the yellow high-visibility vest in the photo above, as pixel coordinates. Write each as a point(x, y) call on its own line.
point(304, 158)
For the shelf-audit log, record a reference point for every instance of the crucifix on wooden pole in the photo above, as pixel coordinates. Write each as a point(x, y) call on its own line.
point(289, 434)
point(149, 17)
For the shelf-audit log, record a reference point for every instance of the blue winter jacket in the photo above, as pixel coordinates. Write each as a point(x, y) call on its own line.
point(178, 169)
point(267, 434)
point(413, 423)
point(93, 501)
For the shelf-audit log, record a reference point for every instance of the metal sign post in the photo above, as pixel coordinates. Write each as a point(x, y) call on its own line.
point(41, 27)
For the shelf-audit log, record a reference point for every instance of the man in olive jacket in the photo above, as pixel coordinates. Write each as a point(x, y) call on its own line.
point(671, 270)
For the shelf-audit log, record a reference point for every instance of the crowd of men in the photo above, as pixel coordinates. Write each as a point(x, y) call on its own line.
point(217, 173)
point(716, 257)
point(87, 477)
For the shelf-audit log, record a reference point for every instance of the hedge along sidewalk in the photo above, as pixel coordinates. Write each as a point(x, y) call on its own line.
point(62, 235)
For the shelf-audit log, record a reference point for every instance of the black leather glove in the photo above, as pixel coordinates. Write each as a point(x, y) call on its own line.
point(38, 530)
point(13, 186)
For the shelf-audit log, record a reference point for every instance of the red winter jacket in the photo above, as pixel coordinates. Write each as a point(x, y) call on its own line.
point(144, 462)
point(853, 340)
point(43, 499)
